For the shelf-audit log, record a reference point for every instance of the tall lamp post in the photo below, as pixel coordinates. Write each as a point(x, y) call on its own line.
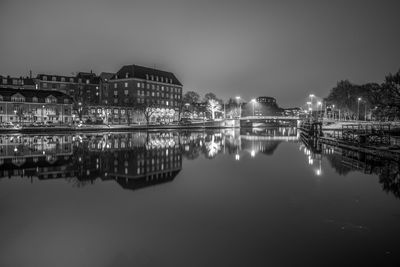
point(319, 106)
point(358, 108)
point(365, 110)
point(187, 107)
point(254, 102)
point(240, 106)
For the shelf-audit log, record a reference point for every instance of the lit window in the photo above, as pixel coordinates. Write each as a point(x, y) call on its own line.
point(115, 93)
point(138, 85)
point(126, 75)
point(87, 81)
point(126, 92)
point(126, 85)
point(115, 85)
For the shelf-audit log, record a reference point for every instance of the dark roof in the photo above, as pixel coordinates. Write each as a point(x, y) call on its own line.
point(93, 79)
point(142, 182)
point(26, 80)
point(135, 71)
point(106, 75)
point(58, 77)
point(85, 75)
point(29, 93)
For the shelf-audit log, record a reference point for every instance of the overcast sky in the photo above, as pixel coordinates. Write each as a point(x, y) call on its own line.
point(247, 48)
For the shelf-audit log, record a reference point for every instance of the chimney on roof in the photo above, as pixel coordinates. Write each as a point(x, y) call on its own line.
point(30, 74)
point(91, 71)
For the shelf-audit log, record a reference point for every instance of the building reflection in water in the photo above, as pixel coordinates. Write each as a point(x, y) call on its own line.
point(134, 160)
point(344, 161)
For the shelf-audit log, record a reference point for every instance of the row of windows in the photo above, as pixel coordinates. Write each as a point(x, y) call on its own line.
point(153, 94)
point(13, 81)
point(62, 86)
point(63, 79)
point(152, 78)
point(152, 86)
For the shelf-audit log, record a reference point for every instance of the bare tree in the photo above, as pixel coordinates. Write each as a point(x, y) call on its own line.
point(213, 106)
point(147, 109)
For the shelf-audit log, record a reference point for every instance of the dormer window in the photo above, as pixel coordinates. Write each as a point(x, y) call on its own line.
point(126, 75)
point(44, 78)
point(152, 77)
point(51, 99)
point(14, 82)
point(4, 81)
point(157, 78)
point(62, 79)
point(34, 99)
point(147, 76)
point(66, 100)
point(53, 78)
point(71, 80)
point(17, 98)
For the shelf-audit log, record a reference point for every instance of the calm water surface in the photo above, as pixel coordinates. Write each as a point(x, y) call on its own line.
point(255, 197)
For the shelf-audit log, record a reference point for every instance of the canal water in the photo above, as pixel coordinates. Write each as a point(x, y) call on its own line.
point(255, 197)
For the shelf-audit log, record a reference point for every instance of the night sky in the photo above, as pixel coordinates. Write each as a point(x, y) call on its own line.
point(247, 48)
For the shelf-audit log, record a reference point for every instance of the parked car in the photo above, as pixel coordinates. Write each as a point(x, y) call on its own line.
point(8, 124)
point(49, 124)
point(185, 121)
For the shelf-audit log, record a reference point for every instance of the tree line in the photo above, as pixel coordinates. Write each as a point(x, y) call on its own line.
point(373, 100)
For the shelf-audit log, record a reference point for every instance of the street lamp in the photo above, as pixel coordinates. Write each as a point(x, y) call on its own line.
point(319, 104)
point(254, 102)
point(358, 108)
point(240, 106)
point(311, 98)
point(43, 114)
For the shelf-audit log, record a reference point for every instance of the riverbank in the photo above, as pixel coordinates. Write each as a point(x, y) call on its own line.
point(337, 125)
point(123, 127)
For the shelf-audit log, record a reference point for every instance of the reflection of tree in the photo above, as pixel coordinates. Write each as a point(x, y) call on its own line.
point(387, 169)
point(336, 163)
point(212, 147)
point(389, 177)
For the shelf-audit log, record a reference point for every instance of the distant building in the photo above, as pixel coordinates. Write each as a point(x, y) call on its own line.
point(263, 106)
point(83, 88)
point(292, 111)
point(31, 105)
point(17, 83)
point(134, 86)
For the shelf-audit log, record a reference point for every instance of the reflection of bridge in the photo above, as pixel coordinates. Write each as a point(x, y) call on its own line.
point(276, 118)
point(269, 138)
point(264, 121)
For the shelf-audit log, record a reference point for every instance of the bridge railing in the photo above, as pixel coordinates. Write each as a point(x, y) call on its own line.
point(270, 118)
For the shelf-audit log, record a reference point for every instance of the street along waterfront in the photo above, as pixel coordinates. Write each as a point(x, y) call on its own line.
point(189, 196)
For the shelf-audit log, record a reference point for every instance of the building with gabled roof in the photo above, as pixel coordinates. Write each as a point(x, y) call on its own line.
point(26, 106)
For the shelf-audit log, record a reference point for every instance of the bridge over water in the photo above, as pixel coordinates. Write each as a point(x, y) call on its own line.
point(262, 121)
